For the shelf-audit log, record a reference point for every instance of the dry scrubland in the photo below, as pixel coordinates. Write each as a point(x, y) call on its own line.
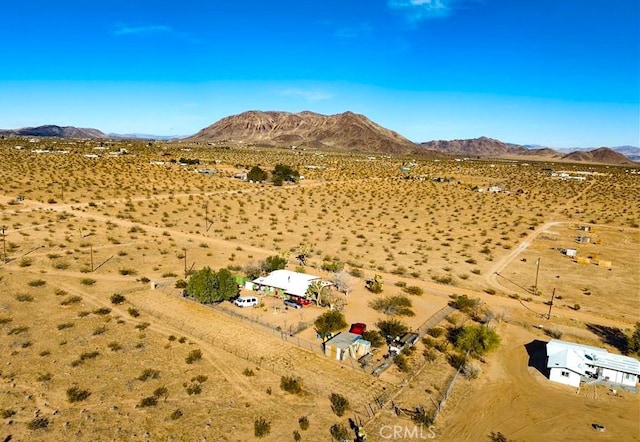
point(130, 221)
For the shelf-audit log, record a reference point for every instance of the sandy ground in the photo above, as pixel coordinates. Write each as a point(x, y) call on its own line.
point(127, 220)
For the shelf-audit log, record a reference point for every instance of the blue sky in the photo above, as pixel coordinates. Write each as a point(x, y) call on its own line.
point(559, 73)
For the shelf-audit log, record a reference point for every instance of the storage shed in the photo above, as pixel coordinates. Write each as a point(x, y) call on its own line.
point(345, 345)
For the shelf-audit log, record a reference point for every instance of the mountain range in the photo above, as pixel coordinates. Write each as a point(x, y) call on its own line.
point(347, 132)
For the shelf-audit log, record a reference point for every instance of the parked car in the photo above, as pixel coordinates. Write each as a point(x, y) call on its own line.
point(246, 301)
point(292, 303)
point(358, 328)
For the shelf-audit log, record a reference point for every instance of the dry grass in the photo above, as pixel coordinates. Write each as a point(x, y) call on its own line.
point(118, 223)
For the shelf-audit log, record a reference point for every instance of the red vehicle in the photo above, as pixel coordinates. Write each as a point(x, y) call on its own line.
point(358, 328)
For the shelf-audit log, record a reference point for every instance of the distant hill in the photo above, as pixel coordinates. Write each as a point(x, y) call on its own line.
point(145, 137)
point(482, 146)
point(603, 155)
point(55, 131)
point(346, 132)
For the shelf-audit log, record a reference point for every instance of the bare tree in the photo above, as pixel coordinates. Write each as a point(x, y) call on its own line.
point(342, 281)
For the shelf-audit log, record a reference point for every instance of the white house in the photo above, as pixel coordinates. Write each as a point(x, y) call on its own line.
point(284, 282)
point(570, 363)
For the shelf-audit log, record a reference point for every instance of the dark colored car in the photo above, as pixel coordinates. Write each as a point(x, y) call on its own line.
point(292, 303)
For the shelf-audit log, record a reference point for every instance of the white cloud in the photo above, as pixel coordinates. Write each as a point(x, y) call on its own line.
point(122, 29)
point(418, 10)
point(307, 94)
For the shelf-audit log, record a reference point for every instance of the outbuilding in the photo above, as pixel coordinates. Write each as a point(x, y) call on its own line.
point(346, 345)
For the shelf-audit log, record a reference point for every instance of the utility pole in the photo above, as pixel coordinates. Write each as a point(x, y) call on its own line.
point(553, 295)
point(92, 258)
point(185, 264)
point(206, 216)
point(535, 285)
point(4, 246)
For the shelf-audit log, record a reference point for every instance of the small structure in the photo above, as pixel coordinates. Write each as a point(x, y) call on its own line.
point(570, 364)
point(569, 252)
point(583, 239)
point(584, 228)
point(207, 171)
point(284, 283)
point(346, 345)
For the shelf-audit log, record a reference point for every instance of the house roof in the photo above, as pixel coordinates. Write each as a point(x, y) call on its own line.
point(569, 359)
point(343, 340)
point(563, 354)
point(293, 283)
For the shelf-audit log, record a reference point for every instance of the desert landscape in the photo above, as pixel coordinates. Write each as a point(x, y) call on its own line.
point(100, 237)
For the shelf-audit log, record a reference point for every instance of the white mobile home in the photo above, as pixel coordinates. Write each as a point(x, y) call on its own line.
point(570, 363)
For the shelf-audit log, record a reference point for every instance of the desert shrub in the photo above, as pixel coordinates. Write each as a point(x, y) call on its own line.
point(99, 330)
point(248, 372)
point(576, 307)
point(428, 342)
point(61, 265)
point(193, 388)
point(133, 312)
point(74, 299)
point(436, 332)
point(413, 290)
point(446, 279)
point(5, 320)
point(303, 421)
point(429, 355)
point(117, 298)
point(261, 427)
point(44, 377)
point(102, 311)
point(25, 261)
point(6, 413)
point(60, 292)
point(17, 330)
point(176, 414)
point(75, 394)
point(127, 272)
point(423, 417)
point(339, 432)
point(464, 303)
point(149, 401)
point(393, 305)
point(114, 346)
point(291, 384)
point(65, 325)
point(193, 356)
point(356, 272)
point(38, 423)
point(169, 275)
point(87, 281)
point(181, 284)
point(199, 378)
point(498, 437)
point(457, 359)
point(142, 326)
point(37, 282)
point(24, 297)
point(555, 334)
point(148, 373)
point(402, 363)
point(297, 436)
point(339, 404)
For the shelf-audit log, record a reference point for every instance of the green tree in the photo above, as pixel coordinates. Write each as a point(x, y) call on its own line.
point(317, 291)
point(203, 285)
point(283, 173)
point(275, 262)
point(329, 322)
point(227, 286)
point(256, 174)
point(207, 286)
point(476, 339)
point(392, 328)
